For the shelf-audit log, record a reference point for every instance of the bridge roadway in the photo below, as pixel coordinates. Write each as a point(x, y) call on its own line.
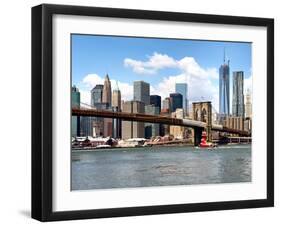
point(153, 119)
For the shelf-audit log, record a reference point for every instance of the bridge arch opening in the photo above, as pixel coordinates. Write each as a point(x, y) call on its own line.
point(204, 115)
point(197, 115)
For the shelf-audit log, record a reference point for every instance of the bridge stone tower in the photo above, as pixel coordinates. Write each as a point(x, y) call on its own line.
point(202, 111)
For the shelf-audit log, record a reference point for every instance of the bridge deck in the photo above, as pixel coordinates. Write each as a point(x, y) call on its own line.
point(153, 119)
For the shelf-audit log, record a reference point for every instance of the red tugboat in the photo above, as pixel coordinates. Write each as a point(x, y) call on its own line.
point(204, 143)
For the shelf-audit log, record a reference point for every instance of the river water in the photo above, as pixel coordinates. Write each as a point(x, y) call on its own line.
point(160, 166)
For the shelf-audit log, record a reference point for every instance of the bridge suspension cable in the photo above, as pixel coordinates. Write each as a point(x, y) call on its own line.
point(85, 105)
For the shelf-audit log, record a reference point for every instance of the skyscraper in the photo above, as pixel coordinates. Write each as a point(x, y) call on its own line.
point(224, 88)
point(96, 95)
point(106, 99)
point(155, 103)
point(182, 89)
point(106, 94)
point(142, 92)
point(75, 103)
point(166, 105)
point(248, 105)
point(116, 106)
point(86, 123)
point(155, 100)
point(238, 94)
point(175, 101)
point(117, 125)
point(75, 97)
point(86, 126)
point(151, 129)
point(97, 123)
point(133, 129)
point(116, 99)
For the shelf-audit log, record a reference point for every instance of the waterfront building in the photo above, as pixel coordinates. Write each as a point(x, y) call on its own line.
point(178, 132)
point(132, 142)
point(248, 124)
point(107, 127)
point(152, 129)
point(175, 101)
point(75, 103)
point(238, 94)
point(164, 128)
point(224, 88)
point(98, 122)
point(248, 105)
point(142, 92)
point(166, 104)
point(183, 89)
point(97, 127)
point(133, 129)
point(156, 101)
point(86, 126)
point(96, 95)
point(106, 94)
point(116, 125)
point(234, 122)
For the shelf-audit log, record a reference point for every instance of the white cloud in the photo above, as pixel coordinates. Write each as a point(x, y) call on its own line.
point(248, 82)
point(138, 67)
point(155, 62)
point(91, 80)
point(85, 96)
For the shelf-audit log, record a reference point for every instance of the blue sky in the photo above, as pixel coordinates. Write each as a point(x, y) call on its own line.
point(161, 62)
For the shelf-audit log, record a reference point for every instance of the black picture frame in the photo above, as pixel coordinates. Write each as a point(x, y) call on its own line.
point(42, 111)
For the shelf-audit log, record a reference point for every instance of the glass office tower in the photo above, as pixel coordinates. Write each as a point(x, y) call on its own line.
point(175, 101)
point(238, 94)
point(182, 89)
point(224, 89)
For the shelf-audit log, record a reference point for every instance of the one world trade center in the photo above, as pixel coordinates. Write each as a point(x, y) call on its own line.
point(224, 88)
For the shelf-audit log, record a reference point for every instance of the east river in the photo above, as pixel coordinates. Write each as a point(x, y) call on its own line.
point(160, 166)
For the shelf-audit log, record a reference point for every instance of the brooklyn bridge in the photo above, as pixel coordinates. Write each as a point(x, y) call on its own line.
point(201, 119)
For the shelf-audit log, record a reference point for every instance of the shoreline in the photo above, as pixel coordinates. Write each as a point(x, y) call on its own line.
point(138, 147)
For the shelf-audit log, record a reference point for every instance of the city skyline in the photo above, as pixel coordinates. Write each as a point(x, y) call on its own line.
point(160, 62)
point(129, 105)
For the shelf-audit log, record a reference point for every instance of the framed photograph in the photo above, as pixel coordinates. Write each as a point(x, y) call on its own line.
point(146, 112)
